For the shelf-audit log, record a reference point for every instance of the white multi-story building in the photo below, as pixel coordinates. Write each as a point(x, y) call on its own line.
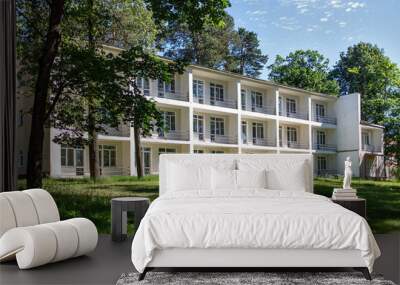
point(212, 111)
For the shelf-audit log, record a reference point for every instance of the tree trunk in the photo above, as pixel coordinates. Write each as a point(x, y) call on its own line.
point(92, 135)
point(49, 52)
point(138, 153)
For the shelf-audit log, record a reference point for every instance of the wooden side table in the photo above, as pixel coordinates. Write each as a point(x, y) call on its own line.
point(357, 205)
point(119, 208)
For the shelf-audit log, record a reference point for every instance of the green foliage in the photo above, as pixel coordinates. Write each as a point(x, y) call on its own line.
point(306, 69)
point(364, 68)
point(245, 56)
point(207, 47)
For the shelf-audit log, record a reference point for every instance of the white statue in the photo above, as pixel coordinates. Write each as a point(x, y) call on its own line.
point(347, 174)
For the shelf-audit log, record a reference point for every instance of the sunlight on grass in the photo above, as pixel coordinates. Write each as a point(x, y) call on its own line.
point(81, 197)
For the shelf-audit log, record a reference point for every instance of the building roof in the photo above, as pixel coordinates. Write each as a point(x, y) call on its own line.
point(244, 77)
point(368, 124)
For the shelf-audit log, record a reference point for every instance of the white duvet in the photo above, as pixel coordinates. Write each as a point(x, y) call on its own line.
point(250, 219)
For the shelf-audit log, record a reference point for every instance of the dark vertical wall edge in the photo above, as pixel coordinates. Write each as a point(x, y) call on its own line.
point(8, 176)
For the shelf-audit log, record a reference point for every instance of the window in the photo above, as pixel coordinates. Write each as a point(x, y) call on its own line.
point(217, 151)
point(169, 119)
point(107, 155)
point(320, 138)
point(244, 131)
point(164, 87)
point(291, 135)
point(72, 157)
point(21, 158)
point(146, 157)
point(217, 126)
point(365, 138)
point(258, 131)
point(280, 135)
point(319, 110)
point(166, 150)
point(144, 85)
point(256, 100)
point(198, 91)
point(79, 155)
point(20, 118)
point(198, 126)
point(321, 164)
point(243, 98)
point(291, 106)
point(198, 151)
point(216, 93)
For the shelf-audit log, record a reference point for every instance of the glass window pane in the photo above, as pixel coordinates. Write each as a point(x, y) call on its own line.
point(63, 157)
point(113, 159)
point(106, 158)
point(79, 157)
point(70, 157)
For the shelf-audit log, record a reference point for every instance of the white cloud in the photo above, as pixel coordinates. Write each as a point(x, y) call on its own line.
point(256, 12)
point(342, 24)
point(324, 19)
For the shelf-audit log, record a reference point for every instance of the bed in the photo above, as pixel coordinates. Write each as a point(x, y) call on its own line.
point(246, 211)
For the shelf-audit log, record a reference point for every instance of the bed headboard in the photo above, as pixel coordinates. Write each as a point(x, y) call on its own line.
point(287, 163)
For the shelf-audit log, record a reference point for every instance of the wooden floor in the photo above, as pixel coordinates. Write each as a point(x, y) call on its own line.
point(110, 260)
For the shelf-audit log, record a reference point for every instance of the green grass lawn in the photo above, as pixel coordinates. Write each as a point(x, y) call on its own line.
point(83, 198)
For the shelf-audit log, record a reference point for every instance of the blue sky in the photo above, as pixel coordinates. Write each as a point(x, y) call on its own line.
point(329, 26)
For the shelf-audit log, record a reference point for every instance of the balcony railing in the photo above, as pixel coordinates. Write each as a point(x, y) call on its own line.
point(226, 103)
point(223, 139)
point(120, 131)
point(324, 147)
point(172, 135)
point(324, 119)
point(264, 110)
point(297, 115)
point(370, 148)
point(291, 144)
point(264, 142)
point(173, 95)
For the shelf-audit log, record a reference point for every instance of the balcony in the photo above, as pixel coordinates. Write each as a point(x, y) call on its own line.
point(172, 135)
point(297, 115)
point(294, 145)
point(324, 147)
point(120, 131)
point(269, 110)
point(324, 119)
point(223, 139)
point(173, 95)
point(264, 142)
point(225, 104)
point(370, 148)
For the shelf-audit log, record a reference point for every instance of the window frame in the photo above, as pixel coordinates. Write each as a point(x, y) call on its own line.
point(219, 126)
point(197, 83)
point(291, 106)
point(290, 132)
point(216, 92)
point(321, 136)
point(322, 160)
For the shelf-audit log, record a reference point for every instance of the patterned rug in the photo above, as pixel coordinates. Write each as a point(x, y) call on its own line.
point(243, 278)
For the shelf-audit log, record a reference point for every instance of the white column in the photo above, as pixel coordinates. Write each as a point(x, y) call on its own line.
point(309, 124)
point(190, 91)
point(132, 164)
point(55, 155)
point(239, 116)
point(277, 118)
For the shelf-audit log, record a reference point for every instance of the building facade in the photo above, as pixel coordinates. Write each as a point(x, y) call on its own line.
point(211, 111)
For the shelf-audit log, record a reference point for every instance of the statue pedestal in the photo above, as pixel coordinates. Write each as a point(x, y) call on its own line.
point(344, 194)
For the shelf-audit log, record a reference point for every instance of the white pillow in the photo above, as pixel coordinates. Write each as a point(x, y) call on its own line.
point(298, 181)
point(251, 178)
point(188, 177)
point(224, 179)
